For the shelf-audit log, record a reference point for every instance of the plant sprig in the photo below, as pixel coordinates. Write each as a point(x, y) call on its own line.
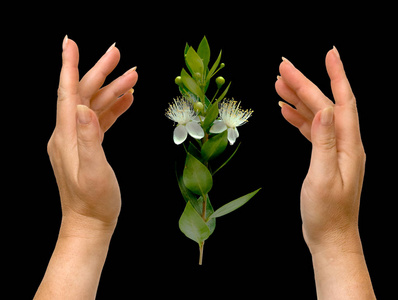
point(212, 123)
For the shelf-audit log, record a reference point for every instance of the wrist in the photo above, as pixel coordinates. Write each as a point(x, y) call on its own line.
point(335, 241)
point(341, 270)
point(79, 226)
point(80, 252)
point(338, 253)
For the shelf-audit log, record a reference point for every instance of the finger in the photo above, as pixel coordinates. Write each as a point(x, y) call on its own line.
point(91, 155)
point(95, 78)
point(110, 115)
point(296, 119)
point(114, 90)
point(307, 92)
point(324, 151)
point(347, 123)
point(68, 84)
point(341, 87)
point(290, 96)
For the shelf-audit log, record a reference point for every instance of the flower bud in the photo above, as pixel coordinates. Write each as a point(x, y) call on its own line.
point(198, 107)
point(220, 81)
point(178, 81)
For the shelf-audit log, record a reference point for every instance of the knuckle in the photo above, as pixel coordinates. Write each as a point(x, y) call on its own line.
point(54, 145)
point(50, 146)
point(362, 155)
point(327, 143)
point(359, 152)
point(61, 93)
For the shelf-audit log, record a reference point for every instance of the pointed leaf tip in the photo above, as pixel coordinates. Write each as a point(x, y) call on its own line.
point(233, 205)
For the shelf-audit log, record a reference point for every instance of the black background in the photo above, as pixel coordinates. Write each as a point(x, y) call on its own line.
point(258, 250)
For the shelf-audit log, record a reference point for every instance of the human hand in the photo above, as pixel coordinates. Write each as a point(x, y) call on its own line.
point(331, 191)
point(89, 191)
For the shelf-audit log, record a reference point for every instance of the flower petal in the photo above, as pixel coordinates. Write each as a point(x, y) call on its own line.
point(180, 134)
point(237, 132)
point(232, 135)
point(195, 130)
point(218, 127)
point(196, 119)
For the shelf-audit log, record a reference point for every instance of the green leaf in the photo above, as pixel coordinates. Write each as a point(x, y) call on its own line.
point(204, 52)
point(214, 146)
point(209, 210)
point(207, 102)
point(194, 151)
point(214, 67)
point(191, 84)
point(233, 205)
point(196, 176)
point(194, 62)
point(219, 168)
point(186, 194)
point(223, 94)
point(192, 225)
point(212, 111)
point(186, 49)
point(211, 115)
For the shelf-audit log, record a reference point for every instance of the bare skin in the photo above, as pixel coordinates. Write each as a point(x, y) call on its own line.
point(90, 195)
point(331, 191)
point(89, 191)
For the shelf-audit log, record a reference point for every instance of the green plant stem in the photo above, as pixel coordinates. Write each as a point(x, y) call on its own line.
point(204, 140)
point(214, 97)
point(204, 219)
point(201, 253)
point(204, 207)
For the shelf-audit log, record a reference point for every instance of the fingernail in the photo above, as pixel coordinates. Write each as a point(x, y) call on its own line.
point(131, 91)
point(336, 52)
point(111, 47)
point(281, 103)
point(65, 42)
point(278, 77)
point(131, 70)
point(286, 60)
point(83, 114)
point(327, 116)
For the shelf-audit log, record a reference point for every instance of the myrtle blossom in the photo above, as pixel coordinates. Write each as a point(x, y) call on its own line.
point(231, 116)
point(183, 113)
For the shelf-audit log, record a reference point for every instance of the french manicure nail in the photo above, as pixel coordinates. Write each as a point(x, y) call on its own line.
point(131, 70)
point(65, 42)
point(336, 51)
point(111, 47)
point(286, 60)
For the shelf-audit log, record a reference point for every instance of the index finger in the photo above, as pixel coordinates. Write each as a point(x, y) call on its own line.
point(68, 83)
point(305, 90)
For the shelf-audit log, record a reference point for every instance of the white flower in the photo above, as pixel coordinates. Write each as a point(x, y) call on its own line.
point(231, 116)
point(183, 113)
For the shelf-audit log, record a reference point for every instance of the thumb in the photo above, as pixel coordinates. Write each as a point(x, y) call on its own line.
point(323, 137)
point(88, 138)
